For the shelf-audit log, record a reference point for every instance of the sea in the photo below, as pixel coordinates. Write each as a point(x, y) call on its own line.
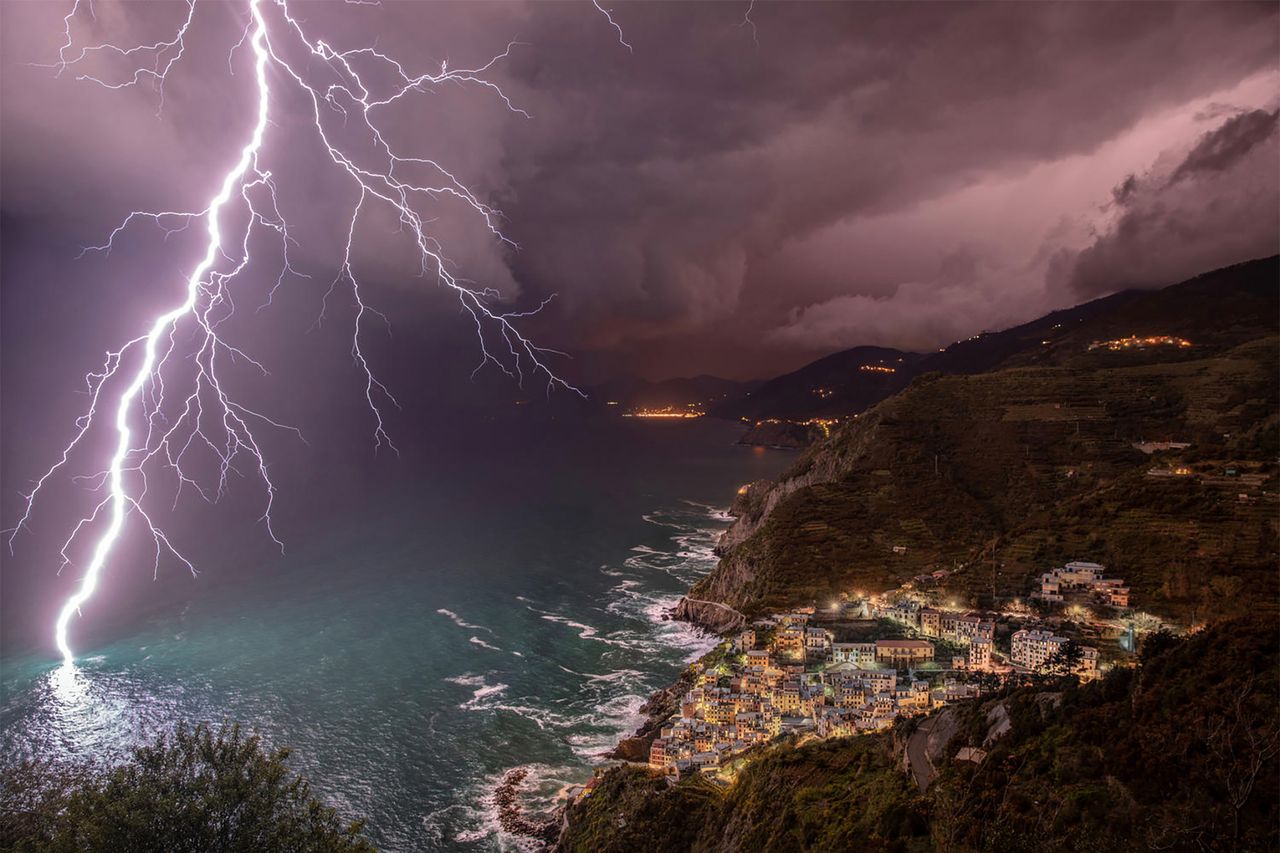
point(495, 603)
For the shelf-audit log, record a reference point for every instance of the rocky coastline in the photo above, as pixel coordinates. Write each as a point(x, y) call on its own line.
point(511, 815)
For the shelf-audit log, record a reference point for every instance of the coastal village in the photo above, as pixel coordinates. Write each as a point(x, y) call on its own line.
point(814, 672)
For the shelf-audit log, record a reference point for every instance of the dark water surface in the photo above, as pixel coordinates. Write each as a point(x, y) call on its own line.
point(501, 607)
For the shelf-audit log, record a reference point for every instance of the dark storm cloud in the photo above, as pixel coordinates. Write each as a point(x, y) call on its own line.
point(706, 190)
point(1224, 147)
point(1215, 207)
point(704, 203)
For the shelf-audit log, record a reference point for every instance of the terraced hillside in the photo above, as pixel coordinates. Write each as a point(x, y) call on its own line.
point(996, 475)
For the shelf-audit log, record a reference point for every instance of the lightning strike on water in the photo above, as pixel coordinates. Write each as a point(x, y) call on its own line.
point(151, 435)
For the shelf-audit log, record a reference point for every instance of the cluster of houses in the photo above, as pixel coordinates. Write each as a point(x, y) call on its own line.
point(850, 688)
point(970, 630)
point(788, 674)
point(1084, 576)
point(1031, 650)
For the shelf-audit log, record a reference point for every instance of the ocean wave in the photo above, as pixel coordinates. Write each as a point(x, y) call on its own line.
point(462, 623)
point(482, 644)
point(481, 691)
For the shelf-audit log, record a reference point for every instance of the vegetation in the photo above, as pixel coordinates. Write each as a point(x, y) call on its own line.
point(995, 476)
point(198, 790)
point(835, 795)
point(1177, 753)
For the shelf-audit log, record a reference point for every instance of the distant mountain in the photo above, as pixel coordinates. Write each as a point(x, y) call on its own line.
point(1214, 311)
point(839, 384)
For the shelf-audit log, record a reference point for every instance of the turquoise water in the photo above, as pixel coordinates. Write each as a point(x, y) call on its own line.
point(497, 605)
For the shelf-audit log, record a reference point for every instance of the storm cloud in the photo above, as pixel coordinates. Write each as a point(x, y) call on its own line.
point(1215, 207)
point(901, 174)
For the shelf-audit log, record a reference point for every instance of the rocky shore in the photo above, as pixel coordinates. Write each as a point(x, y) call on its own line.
point(511, 816)
point(657, 709)
point(711, 616)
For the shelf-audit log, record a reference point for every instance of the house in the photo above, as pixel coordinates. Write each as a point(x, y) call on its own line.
point(745, 641)
point(658, 754)
point(980, 653)
point(817, 641)
point(903, 653)
point(1032, 648)
point(954, 691)
point(789, 643)
point(859, 654)
point(930, 622)
point(1083, 575)
point(1035, 650)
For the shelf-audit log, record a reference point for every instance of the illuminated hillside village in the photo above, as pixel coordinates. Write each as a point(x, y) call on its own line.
point(791, 674)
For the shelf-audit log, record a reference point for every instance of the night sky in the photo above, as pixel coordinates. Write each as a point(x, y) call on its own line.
point(902, 175)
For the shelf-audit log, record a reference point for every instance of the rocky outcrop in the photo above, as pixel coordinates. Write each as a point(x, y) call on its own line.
point(711, 616)
point(657, 710)
point(543, 832)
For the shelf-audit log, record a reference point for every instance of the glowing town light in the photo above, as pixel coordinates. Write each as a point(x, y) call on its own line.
point(207, 411)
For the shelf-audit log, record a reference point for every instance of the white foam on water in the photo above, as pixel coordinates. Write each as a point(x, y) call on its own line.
point(462, 623)
point(482, 644)
point(607, 705)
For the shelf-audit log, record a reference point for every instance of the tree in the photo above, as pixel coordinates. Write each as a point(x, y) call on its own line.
point(1066, 661)
point(194, 790)
point(1242, 739)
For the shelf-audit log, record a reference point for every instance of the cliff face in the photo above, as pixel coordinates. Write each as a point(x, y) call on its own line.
point(822, 463)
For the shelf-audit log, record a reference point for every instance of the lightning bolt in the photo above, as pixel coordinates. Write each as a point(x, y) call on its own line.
point(139, 382)
point(622, 40)
point(747, 22)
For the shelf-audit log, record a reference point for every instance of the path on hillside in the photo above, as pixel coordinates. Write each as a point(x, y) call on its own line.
point(918, 755)
point(928, 743)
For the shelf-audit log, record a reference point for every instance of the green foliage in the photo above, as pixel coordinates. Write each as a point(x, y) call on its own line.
point(832, 795)
point(1179, 754)
point(196, 790)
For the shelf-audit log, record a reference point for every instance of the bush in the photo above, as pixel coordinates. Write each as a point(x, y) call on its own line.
point(194, 790)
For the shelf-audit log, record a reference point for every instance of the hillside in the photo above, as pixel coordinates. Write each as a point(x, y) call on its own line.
point(837, 385)
point(1229, 305)
point(1179, 753)
point(996, 474)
